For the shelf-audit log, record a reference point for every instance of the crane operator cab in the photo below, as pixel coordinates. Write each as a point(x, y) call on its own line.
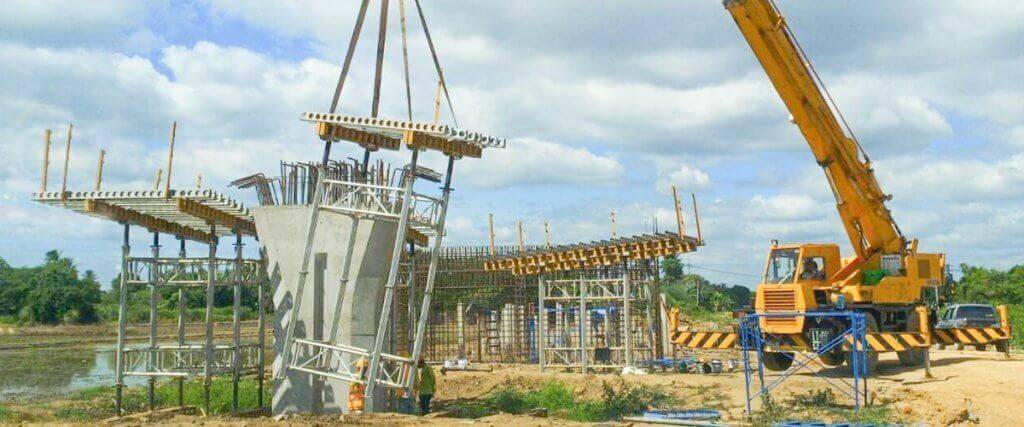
point(795, 280)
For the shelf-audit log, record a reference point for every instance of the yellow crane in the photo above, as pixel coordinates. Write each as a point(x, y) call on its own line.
point(886, 276)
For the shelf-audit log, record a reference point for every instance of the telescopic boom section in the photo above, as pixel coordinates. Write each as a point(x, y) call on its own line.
point(859, 199)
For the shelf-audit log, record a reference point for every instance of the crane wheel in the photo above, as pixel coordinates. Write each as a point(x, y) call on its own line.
point(777, 361)
point(872, 326)
point(833, 359)
point(912, 357)
point(981, 347)
point(1003, 346)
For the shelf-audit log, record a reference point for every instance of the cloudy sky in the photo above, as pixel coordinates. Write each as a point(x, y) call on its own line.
point(606, 104)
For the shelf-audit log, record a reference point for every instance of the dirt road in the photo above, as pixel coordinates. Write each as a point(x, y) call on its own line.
point(986, 385)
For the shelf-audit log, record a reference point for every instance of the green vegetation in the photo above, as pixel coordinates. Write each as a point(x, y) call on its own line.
point(696, 297)
point(54, 293)
point(50, 293)
point(820, 405)
point(97, 403)
point(559, 401)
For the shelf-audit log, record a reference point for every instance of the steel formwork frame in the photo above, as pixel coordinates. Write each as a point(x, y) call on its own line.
point(182, 360)
point(852, 339)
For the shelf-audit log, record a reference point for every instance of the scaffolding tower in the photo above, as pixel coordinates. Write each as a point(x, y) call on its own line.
point(588, 323)
point(201, 216)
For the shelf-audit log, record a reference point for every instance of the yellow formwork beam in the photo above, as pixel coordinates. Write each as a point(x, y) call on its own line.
point(216, 217)
point(604, 254)
point(127, 216)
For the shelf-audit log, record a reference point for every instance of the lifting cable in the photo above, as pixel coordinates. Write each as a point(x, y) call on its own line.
point(405, 58)
point(348, 55)
point(437, 64)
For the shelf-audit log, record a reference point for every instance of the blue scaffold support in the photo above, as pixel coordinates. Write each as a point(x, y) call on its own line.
point(852, 339)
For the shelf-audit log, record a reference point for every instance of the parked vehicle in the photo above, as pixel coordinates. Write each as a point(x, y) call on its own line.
point(969, 316)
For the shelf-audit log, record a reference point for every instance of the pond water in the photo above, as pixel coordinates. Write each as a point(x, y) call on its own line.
point(38, 373)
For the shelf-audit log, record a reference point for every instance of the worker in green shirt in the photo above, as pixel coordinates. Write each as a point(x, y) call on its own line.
point(426, 386)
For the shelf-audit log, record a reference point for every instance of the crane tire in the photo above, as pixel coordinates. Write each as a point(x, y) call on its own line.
point(777, 361)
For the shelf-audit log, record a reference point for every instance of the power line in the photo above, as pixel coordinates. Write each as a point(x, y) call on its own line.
point(723, 271)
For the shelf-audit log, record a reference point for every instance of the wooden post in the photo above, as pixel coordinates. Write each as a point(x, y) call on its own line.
point(679, 213)
point(46, 157)
point(437, 101)
point(696, 219)
point(170, 161)
point(159, 176)
point(490, 222)
point(522, 244)
point(67, 156)
point(99, 170)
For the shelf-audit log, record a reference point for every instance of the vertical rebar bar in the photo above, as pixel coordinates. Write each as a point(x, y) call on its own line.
point(121, 319)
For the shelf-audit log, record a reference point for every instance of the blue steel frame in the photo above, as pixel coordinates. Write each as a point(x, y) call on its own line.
point(753, 340)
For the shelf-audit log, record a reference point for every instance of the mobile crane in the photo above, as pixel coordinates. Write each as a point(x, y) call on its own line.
point(886, 276)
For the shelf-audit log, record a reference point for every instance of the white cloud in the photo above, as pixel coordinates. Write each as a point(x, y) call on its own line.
point(684, 177)
point(529, 161)
point(591, 108)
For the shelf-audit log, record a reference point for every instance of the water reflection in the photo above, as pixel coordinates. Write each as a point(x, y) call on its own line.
point(55, 371)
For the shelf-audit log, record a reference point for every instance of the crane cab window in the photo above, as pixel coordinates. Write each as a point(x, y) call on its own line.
point(812, 268)
point(782, 266)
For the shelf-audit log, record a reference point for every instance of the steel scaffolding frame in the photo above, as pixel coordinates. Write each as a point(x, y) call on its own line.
point(853, 339)
point(203, 216)
point(595, 323)
point(183, 360)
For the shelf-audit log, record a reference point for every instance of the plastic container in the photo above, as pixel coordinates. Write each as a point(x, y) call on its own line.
point(873, 277)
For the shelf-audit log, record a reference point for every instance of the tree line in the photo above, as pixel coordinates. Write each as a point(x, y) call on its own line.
point(54, 292)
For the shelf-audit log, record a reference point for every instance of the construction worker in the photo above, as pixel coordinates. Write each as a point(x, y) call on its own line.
point(811, 271)
point(427, 384)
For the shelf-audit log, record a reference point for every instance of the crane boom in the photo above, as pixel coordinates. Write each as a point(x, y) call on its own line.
point(859, 198)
